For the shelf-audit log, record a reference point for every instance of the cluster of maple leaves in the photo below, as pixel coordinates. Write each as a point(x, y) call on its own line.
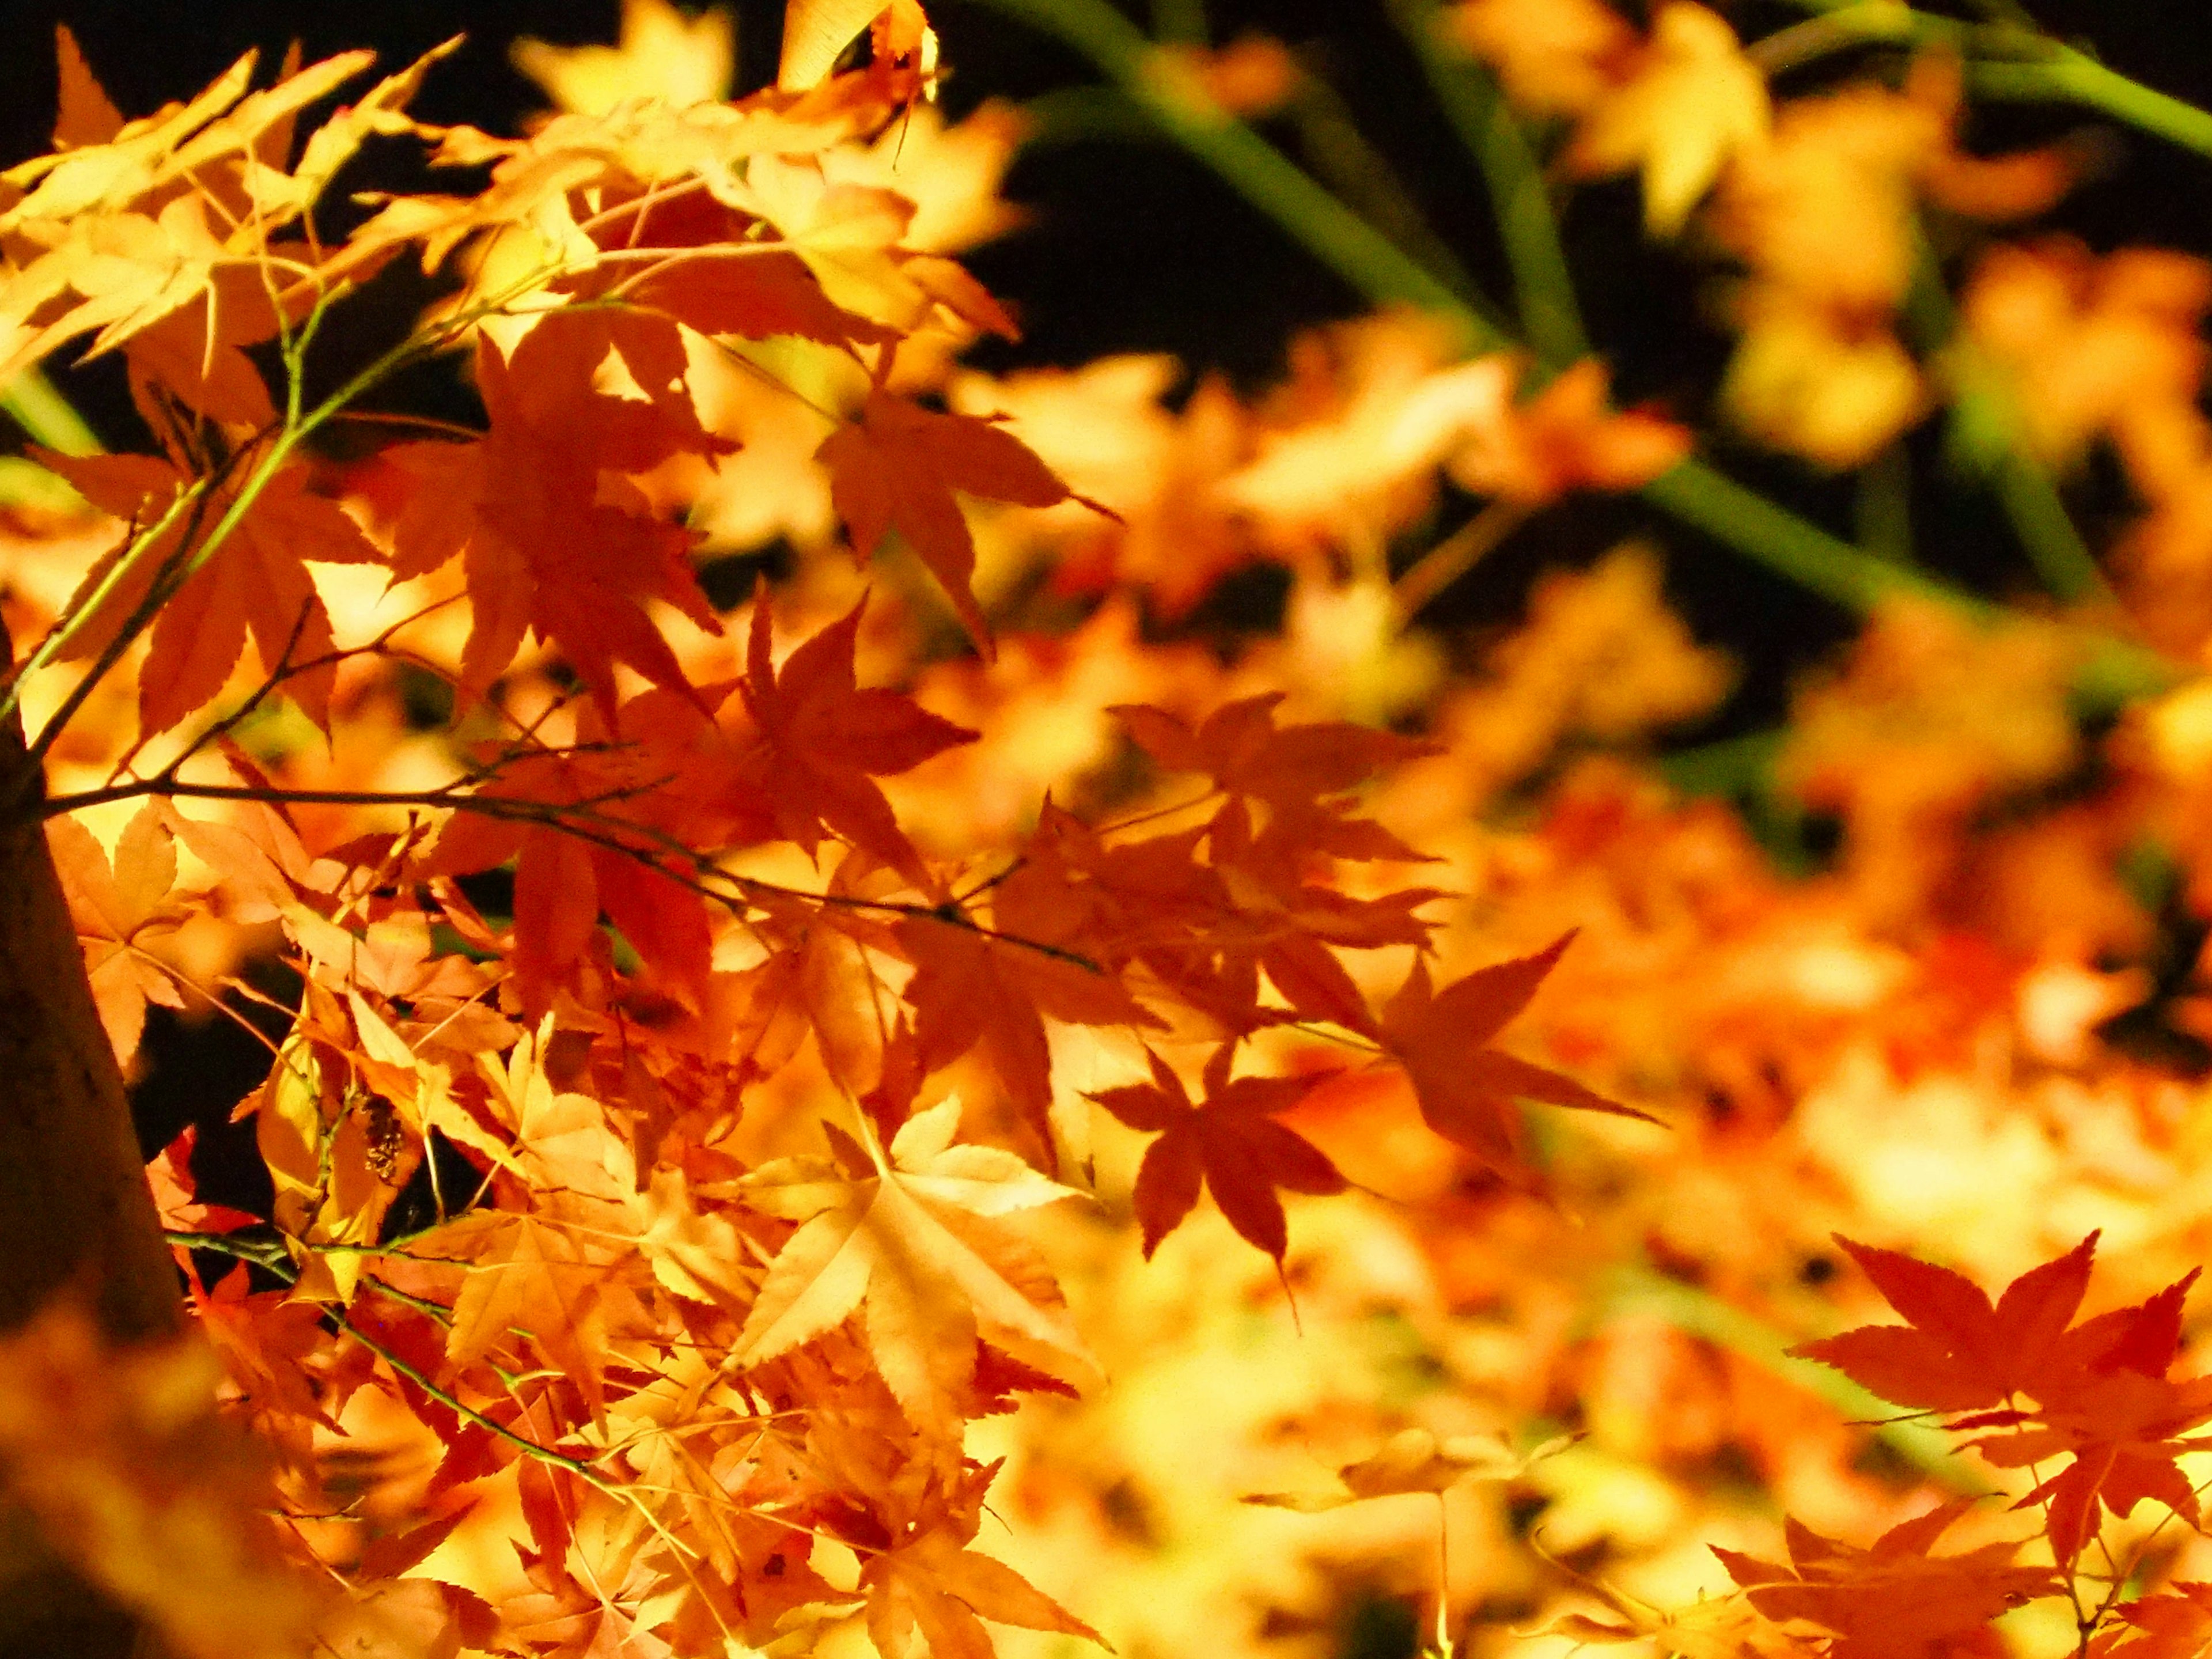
point(686, 1364)
point(681, 1145)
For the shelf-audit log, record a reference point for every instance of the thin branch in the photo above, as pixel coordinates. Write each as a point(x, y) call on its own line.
point(1454, 556)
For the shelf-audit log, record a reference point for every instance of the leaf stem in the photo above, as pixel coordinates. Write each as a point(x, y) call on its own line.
point(2070, 76)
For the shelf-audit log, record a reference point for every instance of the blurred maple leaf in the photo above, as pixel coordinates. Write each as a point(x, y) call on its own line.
point(1689, 101)
point(661, 53)
point(1414, 1459)
point(1893, 1601)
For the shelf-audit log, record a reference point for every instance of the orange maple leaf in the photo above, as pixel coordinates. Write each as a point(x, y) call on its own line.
point(1467, 1091)
point(115, 910)
point(562, 881)
point(552, 535)
point(1230, 1143)
point(1893, 1601)
point(895, 468)
point(931, 1595)
point(914, 1241)
point(828, 740)
point(256, 579)
point(971, 989)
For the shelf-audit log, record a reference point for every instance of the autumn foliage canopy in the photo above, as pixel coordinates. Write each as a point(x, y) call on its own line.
point(840, 976)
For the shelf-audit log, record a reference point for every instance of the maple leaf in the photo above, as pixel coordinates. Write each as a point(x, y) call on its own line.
point(930, 1594)
point(1958, 1353)
point(1893, 1599)
point(1230, 1144)
point(1558, 59)
point(527, 1276)
point(173, 218)
point(562, 881)
point(256, 579)
point(895, 468)
point(914, 1242)
point(971, 989)
point(551, 534)
point(2099, 1388)
point(119, 1454)
point(2176, 1625)
point(1691, 102)
point(661, 53)
point(1240, 746)
point(1414, 1459)
point(118, 909)
point(1565, 437)
point(1466, 1091)
point(827, 741)
point(176, 1191)
point(817, 32)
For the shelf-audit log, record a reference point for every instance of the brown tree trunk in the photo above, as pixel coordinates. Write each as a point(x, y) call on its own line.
point(75, 1216)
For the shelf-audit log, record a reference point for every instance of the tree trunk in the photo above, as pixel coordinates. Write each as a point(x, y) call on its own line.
point(75, 1216)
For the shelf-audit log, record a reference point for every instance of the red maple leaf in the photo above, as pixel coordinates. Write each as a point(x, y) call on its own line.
point(1467, 1091)
point(1893, 1601)
point(553, 535)
point(2099, 1389)
point(1230, 1144)
point(827, 741)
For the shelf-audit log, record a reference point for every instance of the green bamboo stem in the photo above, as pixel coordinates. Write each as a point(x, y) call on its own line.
point(1543, 286)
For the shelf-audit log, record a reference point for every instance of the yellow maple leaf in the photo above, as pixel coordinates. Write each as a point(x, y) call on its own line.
point(660, 53)
point(1693, 100)
point(916, 1246)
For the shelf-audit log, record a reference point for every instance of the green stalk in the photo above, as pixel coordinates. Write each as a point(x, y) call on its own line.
point(1182, 22)
point(2023, 485)
point(1543, 286)
point(47, 415)
point(2015, 62)
point(1165, 91)
point(2069, 77)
